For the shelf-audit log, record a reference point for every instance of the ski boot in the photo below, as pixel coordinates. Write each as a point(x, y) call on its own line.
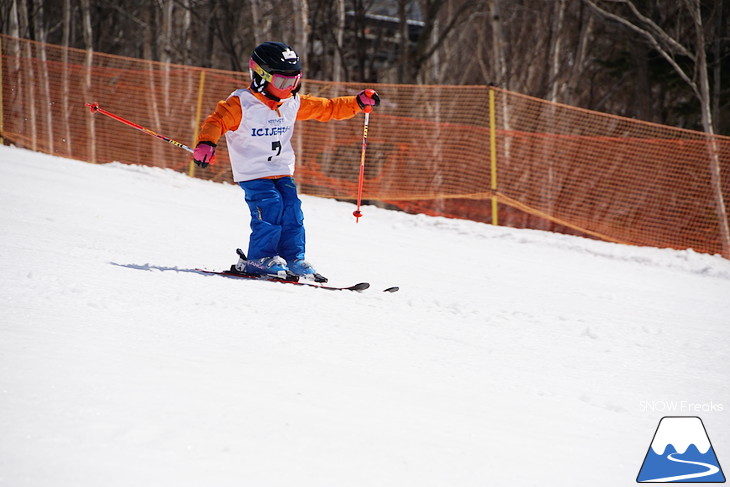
point(302, 268)
point(266, 266)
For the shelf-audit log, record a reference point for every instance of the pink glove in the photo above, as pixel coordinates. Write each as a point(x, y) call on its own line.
point(367, 99)
point(204, 154)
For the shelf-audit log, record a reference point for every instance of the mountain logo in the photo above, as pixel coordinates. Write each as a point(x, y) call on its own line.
point(681, 452)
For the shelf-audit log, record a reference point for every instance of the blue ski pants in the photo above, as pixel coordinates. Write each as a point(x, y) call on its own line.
point(277, 221)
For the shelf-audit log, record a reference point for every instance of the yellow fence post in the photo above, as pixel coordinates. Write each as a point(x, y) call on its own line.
point(493, 156)
point(201, 84)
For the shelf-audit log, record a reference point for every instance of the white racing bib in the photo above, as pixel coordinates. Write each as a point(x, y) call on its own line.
point(261, 147)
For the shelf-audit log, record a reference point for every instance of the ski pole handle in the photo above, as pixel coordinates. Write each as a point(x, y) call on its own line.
point(94, 107)
point(368, 99)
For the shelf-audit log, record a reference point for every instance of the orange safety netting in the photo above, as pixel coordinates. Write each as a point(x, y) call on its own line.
point(431, 149)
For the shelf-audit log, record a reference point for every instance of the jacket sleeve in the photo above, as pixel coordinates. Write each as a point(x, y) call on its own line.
point(227, 116)
point(326, 109)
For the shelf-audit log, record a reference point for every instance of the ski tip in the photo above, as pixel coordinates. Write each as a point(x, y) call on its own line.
point(392, 289)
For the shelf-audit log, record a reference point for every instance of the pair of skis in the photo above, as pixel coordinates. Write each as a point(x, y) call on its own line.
point(291, 279)
point(359, 287)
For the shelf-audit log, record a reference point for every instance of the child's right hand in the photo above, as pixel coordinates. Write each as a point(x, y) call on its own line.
point(204, 154)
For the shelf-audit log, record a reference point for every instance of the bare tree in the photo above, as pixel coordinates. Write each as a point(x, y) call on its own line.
point(256, 25)
point(65, 84)
point(24, 29)
point(40, 32)
point(578, 71)
point(720, 34)
point(403, 40)
point(427, 43)
point(88, 63)
point(339, 39)
point(696, 77)
point(301, 28)
point(499, 43)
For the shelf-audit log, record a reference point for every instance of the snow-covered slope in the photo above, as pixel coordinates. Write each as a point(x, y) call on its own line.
point(509, 357)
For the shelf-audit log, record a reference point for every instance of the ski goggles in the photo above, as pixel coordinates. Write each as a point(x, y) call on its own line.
point(279, 81)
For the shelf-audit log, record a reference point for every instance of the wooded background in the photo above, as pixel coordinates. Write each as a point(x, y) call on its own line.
point(656, 60)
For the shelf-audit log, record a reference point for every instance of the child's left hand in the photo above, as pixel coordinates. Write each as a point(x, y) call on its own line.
point(368, 99)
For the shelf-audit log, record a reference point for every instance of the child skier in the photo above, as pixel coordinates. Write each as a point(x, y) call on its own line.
point(258, 123)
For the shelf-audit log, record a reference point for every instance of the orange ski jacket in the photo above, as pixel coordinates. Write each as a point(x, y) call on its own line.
point(258, 130)
point(227, 115)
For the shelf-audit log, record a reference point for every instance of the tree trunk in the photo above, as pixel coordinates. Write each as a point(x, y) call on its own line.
point(65, 91)
point(46, 103)
point(577, 73)
point(337, 61)
point(23, 24)
point(166, 50)
point(719, 34)
point(184, 31)
point(301, 29)
point(403, 40)
point(554, 66)
point(706, 104)
point(258, 35)
point(499, 44)
point(88, 64)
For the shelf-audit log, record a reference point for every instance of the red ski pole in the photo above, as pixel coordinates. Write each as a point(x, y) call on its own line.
point(94, 107)
point(357, 213)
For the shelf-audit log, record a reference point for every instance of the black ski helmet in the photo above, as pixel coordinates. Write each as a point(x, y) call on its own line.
point(274, 58)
